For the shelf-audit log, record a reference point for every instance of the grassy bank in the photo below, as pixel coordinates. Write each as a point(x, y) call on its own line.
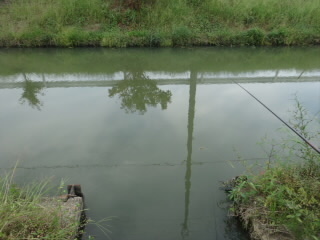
point(284, 199)
point(158, 23)
point(22, 215)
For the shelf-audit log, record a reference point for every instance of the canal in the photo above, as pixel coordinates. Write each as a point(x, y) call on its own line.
point(149, 133)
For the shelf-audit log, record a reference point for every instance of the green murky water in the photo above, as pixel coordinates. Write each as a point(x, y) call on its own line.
point(149, 133)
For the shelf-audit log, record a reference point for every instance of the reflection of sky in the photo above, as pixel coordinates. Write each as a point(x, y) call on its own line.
point(283, 73)
point(132, 166)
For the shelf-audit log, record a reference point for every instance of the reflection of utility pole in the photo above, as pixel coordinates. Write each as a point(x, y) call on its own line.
point(44, 80)
point(191, 113)
point(301, 74)
point(276, 75)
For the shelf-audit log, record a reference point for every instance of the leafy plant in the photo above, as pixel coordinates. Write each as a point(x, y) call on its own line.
point(286, 193)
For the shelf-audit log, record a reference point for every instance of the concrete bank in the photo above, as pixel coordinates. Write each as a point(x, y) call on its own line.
point(70, 208)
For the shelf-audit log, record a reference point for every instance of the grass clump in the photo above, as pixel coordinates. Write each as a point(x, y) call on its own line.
point(181, 36)
point(23, 216)
point(284, 198)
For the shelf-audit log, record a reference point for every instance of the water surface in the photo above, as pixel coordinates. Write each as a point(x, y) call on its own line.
point(149, 134)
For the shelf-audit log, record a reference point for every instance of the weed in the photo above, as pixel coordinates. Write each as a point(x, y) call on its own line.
point(138, 38)
point(72, 37)
point(286, 193)
point(35, 38)
point(114, 39)
point(254, 37)
point(22, 215)
point(181, 36)
point(278, 37)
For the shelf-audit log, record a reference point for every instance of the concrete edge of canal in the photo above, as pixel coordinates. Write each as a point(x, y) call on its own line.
point(70, 208)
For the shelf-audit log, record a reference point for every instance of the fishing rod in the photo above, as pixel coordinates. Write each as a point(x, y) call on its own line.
point(291, 128)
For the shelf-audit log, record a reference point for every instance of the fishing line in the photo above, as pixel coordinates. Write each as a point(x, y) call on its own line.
point(291, 128)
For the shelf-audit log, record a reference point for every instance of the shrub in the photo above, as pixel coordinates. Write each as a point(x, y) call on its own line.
point(156, 39)
point(7, 39)
point(94, 38)
point(278, 37)
point(71, 37)
point(181, 36)
point(35, 38)
point(138, 39)
point(114, 39)
point(254, 36)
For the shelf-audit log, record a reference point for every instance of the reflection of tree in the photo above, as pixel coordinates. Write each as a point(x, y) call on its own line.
point(136, 91)
point(30, 92)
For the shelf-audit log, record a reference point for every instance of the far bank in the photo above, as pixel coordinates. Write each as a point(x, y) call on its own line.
point(153, 23)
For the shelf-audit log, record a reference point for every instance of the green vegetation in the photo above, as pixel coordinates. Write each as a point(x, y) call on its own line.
point(158, 23)
point(22, 215)
point(285, 195)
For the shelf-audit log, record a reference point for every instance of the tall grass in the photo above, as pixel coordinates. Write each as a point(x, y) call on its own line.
point(286, 193)
point(211, 22)
point(23, 216)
